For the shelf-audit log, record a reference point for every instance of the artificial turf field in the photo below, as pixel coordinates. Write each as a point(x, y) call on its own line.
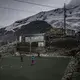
point(46, 68)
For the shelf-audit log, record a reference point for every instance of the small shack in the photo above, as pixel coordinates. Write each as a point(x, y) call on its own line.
point(30, 38)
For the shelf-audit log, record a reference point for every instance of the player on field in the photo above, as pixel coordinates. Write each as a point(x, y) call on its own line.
point(32, 60)
point(0, 56)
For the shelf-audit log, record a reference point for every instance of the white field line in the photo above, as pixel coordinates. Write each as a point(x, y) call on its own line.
point(49, 55)
point(10, 66)
point(45, 55)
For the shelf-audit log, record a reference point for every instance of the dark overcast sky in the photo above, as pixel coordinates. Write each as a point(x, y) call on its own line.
point(11, 10)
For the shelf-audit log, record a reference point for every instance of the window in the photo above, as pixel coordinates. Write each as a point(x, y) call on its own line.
point(41, 44)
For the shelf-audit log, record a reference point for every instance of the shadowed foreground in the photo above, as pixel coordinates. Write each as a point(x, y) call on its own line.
point(44, 69)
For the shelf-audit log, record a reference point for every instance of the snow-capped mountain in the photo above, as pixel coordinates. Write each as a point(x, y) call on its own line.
point(54, 17)
point(74, 3)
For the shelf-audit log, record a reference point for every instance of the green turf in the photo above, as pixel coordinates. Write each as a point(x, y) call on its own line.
point(44, 69)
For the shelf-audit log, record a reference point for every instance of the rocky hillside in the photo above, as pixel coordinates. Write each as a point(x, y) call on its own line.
point(8, 49)
point(72, 71)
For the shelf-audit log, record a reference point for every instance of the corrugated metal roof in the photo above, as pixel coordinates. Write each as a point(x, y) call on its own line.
point(27, 35)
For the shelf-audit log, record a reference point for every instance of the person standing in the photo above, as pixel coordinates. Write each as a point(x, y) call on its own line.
point(38, 54)
point(0, 56)
point(32, 60)
point(21, 57)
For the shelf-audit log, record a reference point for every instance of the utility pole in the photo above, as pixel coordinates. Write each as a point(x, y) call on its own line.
point(30, 44)
point(64, 29)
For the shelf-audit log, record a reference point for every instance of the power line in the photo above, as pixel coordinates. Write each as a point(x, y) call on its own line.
point(14, 9)
point(34, 3)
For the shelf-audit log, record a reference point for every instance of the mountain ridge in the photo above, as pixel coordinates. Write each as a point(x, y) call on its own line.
point(74, 3)
point(53, 17)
